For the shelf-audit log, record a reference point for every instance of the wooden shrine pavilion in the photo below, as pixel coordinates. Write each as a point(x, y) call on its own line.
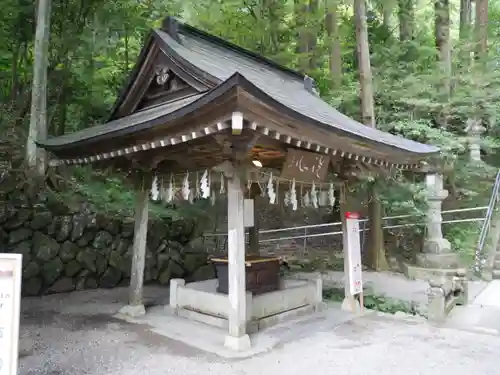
point(195, 102)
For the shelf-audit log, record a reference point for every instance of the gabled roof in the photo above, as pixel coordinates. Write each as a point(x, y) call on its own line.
point(215, 67)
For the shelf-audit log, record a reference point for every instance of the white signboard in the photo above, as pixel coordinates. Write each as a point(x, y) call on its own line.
point(354, 267)
point(248, 212)
point(10, 304)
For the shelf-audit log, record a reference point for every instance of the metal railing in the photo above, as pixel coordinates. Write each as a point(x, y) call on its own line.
point(485, 229)
point(307, 229)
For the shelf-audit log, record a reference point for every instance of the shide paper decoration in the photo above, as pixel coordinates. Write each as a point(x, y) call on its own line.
point(192, 188)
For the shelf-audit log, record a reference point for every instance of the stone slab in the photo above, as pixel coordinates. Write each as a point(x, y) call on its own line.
point(161, 320)
point(490, 296)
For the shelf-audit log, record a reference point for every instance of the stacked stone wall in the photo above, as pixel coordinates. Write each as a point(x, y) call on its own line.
point(74, 249)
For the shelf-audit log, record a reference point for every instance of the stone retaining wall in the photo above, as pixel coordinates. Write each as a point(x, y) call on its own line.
point(62, 253)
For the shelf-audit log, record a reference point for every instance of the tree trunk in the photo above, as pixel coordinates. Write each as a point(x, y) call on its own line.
point(406, 16)
point(365, 71)
point(335, 51)
point(481, 28)
point(35, 157)
point(443, 45)
point(465, 19)
point(376, 250)
point(305, 12)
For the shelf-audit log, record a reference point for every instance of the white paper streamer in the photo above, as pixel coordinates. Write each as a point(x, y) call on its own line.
point(205, 185)
point(185, 187)
point(331, 195)
point(270, 190)
point(155, 192)
point(293, 196)
point(314, 196)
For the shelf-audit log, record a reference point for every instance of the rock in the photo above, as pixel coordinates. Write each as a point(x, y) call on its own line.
point(52, 228)
point(122, 245)
point(102, 221)
point(79, 224)
point(19, 235)
point(162, 261)
point(68, 251)
point(41, 220)
point(72, 268)
point(102, 240)
point(128, 229)
point(32, 287)
point(31, 270)
point(193, 261)
point(63, 285)
point(87, 258)
point(81, 279)
point(84, 240)
point(203, 273)
point(174, 270)
point(126, 264)
point(24, 248)
point(56, 206)
point(65, 228)
point(155, 237)
point(4, 237)
point(7, 211)
point(44, 247)
point(165, 277)
point(101, 263)
point(51, 270)
point(22, 216)
point(111, 277)
point(113, 227)
point(91, 283)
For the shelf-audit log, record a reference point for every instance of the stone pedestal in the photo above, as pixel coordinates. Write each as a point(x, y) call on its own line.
point(474, 131)
point(437, 253)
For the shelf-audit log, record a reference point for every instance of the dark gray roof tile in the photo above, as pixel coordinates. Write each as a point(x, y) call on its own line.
point(211, 56)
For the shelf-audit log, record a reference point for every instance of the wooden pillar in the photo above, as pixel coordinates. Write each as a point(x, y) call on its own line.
point(376, 245)
point(136, 307)
point(237, 338)
point(253, 232)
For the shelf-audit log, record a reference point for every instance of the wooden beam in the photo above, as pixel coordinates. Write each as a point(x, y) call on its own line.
point(136, 307)
point(237, 339)
point(253, 232)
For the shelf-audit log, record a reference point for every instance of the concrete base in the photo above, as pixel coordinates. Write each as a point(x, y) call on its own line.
point(351, 304)
point(413, 272)
point(446, 260)
point(437, 246)
point(200, 302)
point(239, 344)
point(133, 311)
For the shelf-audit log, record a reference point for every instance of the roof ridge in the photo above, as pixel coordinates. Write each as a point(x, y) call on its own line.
point(172, 26)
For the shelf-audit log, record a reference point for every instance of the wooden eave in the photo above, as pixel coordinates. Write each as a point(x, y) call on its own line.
point(207, 115)
point(222, 78)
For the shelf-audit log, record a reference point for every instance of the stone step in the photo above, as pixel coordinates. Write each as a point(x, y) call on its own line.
point(496, 265)
point(497, 256)
point(496, 274)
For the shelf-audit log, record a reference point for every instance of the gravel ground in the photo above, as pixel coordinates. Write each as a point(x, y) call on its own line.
point(96, 344)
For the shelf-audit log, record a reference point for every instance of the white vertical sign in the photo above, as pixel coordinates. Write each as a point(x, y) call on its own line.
point(10, 309)
point(248, 213)
point(353, 253)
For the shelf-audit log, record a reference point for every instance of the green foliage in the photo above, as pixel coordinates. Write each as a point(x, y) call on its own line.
point(94, 45)
point(373, 302)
